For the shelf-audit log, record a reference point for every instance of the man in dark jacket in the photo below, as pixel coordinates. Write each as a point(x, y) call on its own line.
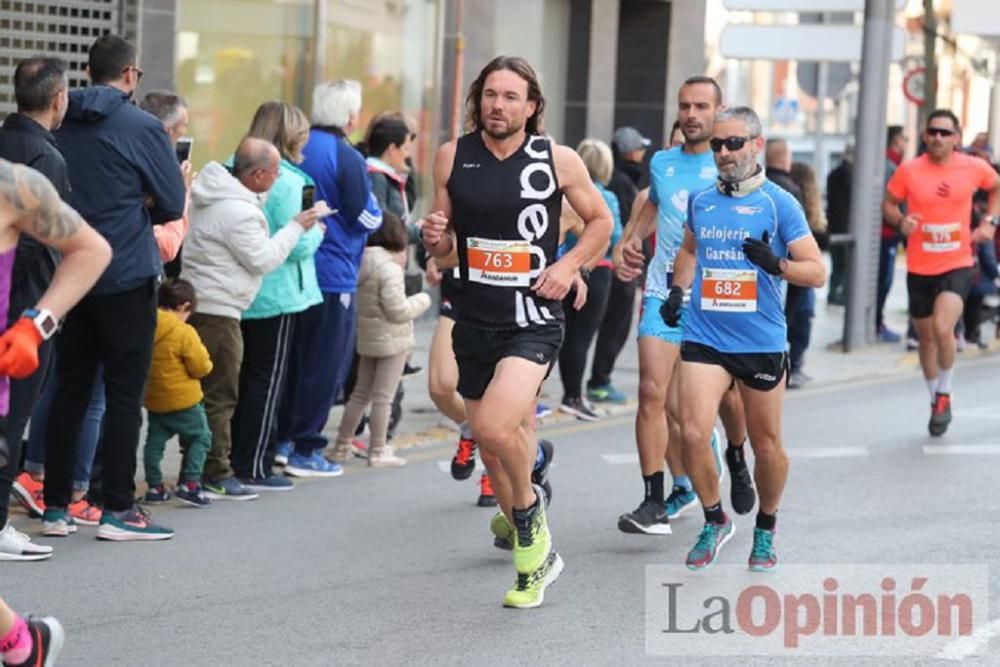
point(629, 148)
point(778, 160)
point(41, 91)
point(838, 213)
point(119, 158)
point(798, 300)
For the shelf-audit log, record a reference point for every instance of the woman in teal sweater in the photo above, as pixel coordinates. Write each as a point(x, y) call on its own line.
point(268, 324)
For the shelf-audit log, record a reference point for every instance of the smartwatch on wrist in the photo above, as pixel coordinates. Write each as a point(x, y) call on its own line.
point(993, 220)
point(45, 322)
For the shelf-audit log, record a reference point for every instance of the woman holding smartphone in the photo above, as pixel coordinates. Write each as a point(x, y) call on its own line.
point(288, 290)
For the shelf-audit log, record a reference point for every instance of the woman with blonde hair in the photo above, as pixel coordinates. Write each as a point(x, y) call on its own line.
point(287, 291)
point(800, 304)
point(582, 324)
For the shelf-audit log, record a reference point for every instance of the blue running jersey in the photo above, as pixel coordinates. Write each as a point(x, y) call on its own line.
point(736, 307)
point(673, 177)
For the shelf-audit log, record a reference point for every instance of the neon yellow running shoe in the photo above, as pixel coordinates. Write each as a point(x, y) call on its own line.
point(503, 532)
point(529, 589)
point(532, 542)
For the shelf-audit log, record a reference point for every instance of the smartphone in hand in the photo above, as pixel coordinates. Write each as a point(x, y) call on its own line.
point(184, 146)
point(308, 196)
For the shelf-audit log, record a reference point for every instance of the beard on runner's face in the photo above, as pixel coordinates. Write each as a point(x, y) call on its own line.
point(499, 125)
point(695, 131)
point(735, 167)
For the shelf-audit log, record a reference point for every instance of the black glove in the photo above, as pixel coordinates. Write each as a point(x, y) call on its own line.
point(759, 252)
point(670, 311)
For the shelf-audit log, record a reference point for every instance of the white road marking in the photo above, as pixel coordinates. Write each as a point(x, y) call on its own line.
point(963, 647)
point(828, 452)
point(445, 466)
point(631, 458)
point(977, 413)
point(961, 450)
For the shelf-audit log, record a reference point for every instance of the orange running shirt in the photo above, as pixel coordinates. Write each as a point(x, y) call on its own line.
point(940, 197)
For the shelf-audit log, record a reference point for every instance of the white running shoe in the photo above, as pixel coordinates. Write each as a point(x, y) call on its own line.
point(16, 546)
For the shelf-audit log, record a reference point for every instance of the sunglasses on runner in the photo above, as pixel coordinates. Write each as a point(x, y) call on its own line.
point(732, 144)
point(939, 132)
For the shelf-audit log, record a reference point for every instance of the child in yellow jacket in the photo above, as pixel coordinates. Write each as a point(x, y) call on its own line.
point(174, 396)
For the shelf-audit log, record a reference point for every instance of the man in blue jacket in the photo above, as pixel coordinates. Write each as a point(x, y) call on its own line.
point(324, 335)
point(125, 178)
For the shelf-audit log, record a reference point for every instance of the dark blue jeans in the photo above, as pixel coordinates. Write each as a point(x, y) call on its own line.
point(322, 350)
point(90, 433)
point(802, 302)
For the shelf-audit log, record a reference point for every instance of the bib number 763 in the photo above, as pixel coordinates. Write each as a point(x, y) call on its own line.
point(498, 262)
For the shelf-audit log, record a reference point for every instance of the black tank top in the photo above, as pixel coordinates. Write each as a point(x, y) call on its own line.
point(506, 220)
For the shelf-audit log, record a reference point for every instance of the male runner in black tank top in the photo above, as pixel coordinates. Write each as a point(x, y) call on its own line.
point(497, 199)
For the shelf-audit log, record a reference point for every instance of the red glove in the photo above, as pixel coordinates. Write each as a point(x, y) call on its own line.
point(19, 349)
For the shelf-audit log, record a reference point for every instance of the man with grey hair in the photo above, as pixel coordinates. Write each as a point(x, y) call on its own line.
point(735, 253)
point(171, 109)
point(225, 259)
point(42, 94)
point(324, 334)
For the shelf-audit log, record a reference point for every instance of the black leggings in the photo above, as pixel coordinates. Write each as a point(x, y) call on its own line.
point(615, 328)
point(581, 327)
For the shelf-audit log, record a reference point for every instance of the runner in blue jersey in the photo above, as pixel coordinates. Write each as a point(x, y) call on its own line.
point(738, 246)
point(675, 175)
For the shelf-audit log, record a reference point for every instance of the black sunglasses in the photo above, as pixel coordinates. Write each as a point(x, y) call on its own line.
point(939, 132)
point(732, 144)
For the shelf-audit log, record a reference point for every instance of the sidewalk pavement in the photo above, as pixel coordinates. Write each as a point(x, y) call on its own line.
point(825, 362)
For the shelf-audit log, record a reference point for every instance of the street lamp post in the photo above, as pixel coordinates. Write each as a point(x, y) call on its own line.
point(868, 178)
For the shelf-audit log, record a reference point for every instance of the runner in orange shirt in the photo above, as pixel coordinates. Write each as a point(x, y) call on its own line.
point(937, 188)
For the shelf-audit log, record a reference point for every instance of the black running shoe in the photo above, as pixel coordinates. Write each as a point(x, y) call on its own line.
point(47, 638)
point(411, 371)
point(540, 475)
point(464, 460)
point(649, 518)
point(741, 493)
point(940, 414)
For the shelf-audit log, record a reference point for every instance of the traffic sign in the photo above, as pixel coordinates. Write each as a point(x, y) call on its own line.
point(913, 85)
point(830, 43)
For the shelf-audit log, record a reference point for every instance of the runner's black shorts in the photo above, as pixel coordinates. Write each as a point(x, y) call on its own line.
point(923, 290)
point(761, 371)
point(478, 351)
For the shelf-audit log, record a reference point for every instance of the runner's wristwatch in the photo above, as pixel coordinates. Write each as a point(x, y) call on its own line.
point(993, 220)
point(44, 321)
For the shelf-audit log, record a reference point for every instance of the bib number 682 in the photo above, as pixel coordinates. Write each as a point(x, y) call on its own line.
point(727, 288)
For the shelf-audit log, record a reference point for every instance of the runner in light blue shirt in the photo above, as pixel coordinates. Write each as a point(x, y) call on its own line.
point(734, 257)
point(675, 176)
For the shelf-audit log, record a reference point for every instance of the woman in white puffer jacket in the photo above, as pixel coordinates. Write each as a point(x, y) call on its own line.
point(385, 338)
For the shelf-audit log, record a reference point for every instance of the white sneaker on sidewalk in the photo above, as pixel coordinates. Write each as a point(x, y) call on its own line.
point(386, 459)
point(16, 546)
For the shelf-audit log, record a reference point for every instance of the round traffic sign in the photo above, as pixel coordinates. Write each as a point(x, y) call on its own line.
point(913, 85)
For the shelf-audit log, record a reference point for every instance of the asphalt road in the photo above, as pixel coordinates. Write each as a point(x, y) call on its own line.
point(395, 567)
